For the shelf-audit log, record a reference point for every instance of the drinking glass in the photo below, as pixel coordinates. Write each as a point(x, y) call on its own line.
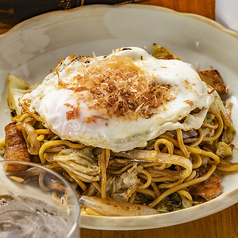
point(36, 202)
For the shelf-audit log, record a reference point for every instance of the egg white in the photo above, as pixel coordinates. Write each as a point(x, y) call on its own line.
point(121, 134)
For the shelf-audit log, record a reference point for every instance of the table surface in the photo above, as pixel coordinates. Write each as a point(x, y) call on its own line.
point(223, 224)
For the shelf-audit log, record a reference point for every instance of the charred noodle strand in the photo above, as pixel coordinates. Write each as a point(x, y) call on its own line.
point(205, 153)
point(43, 131)
point(158, 166)
point(170, 185)
point(77, 179)
point(196, 150)
point(165, 142)
point(191, 176)
point(183, 185)
point(206, 148)
point(103, 173)
point(227, 166)
point(147, 192)
point(155, 156)
point(70, 179)
point(24, 116)
point(110, 171)
point(90, 190)
point(155, 188)
point(108, 153)
point(16, 118)
point(181, 144)
point(140, 155)
point(97, 186)
point(185, 194)
point(82, 176)
point(219, 129)
point(36, 117)
point(175, 175)
point(216, 159)
point(198, 142)
point(214, 126)
point(178, 152)
point(40, 138)
point(53, 166)
point(159, 179)
point(171, 139)
point(132, 198)
point(197, 162)
point(161, 167)
point(162, 179)
point(54, 150)
point(110, 162)
point(20, 118)
point(121, 161)
point(148, 182)
point(49, 144)
point(50, 156)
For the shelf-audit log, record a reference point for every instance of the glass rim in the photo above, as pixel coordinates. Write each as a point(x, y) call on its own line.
point(76, 223)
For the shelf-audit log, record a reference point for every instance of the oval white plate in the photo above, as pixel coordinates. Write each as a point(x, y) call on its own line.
point(32, 48)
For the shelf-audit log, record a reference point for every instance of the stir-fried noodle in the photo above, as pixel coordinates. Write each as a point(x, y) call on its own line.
point(173, 171)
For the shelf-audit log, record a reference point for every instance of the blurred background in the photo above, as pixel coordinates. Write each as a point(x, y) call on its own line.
point(15, 11)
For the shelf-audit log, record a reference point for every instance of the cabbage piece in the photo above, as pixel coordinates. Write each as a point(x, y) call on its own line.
point(79, 162)
point(16, 89)
point(170, 203)
point(209, 118)
point(223, 150)
point(121, 187)
point(161, 52)
point(173, 202)
point(225, 111)
point(186, 202)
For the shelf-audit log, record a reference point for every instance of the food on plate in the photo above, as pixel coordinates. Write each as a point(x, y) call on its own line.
point(16, 147)
point(134, 133)
point(214, 79)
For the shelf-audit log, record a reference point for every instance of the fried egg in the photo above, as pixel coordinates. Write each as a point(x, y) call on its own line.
point(108, 101)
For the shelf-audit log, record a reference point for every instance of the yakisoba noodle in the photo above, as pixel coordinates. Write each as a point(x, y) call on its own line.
point(154, 164)
point(171, 172)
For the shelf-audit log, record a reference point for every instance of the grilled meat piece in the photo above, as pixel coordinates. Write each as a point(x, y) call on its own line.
point(16, 148)
point(214, 79)
point(209, 189)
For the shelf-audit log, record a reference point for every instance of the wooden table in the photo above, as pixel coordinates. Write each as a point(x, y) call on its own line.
point(223, 224)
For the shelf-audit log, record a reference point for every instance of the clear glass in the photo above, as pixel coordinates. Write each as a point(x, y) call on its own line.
point(36, 202)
